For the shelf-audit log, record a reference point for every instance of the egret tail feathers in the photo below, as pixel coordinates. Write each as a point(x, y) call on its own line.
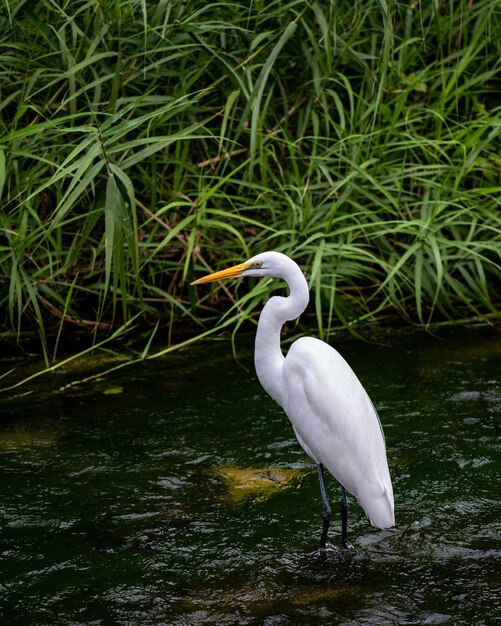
point(381, 511)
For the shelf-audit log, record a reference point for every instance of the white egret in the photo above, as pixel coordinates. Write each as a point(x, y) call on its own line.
point(332, 416)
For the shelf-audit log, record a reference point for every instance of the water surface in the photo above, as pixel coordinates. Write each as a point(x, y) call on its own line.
point(175, 493)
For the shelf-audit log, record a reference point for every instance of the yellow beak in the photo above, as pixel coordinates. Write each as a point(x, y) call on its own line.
point(231, 272)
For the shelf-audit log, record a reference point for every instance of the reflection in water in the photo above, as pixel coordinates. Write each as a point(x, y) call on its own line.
point(182, 497)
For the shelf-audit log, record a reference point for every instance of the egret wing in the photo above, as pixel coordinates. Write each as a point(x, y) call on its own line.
point(337, 424)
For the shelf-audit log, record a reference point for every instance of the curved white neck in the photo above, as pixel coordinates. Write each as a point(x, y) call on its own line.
point(268, 357)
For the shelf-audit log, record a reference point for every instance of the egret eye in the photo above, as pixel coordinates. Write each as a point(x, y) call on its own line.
point(257, 265)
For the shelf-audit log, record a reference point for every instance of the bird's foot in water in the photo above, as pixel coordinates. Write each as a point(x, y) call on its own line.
point(324, 551)
point(327, 547)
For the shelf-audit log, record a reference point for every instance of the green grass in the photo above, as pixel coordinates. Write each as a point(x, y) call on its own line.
point(142, 143)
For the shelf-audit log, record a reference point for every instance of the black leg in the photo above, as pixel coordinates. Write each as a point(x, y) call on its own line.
point(344, 519)
point(326, 509)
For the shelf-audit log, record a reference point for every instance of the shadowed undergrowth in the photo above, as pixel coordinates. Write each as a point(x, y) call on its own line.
point(145, 142)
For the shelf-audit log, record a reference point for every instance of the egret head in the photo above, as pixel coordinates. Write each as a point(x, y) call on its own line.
point(265, 264)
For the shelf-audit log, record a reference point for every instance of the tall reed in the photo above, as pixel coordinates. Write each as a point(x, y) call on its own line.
point(144, 142)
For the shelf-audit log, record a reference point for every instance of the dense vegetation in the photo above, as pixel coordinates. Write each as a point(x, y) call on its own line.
point(145, 142)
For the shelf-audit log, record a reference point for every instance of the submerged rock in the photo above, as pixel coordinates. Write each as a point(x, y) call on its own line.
point(258, 483)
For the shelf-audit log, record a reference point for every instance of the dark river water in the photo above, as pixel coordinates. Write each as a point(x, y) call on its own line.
point(174, 492)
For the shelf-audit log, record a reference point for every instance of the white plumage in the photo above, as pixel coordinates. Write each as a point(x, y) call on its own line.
point(330, 411)
point(337, 424)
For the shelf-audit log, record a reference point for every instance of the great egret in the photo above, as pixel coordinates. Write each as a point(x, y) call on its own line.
point(333, 417)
